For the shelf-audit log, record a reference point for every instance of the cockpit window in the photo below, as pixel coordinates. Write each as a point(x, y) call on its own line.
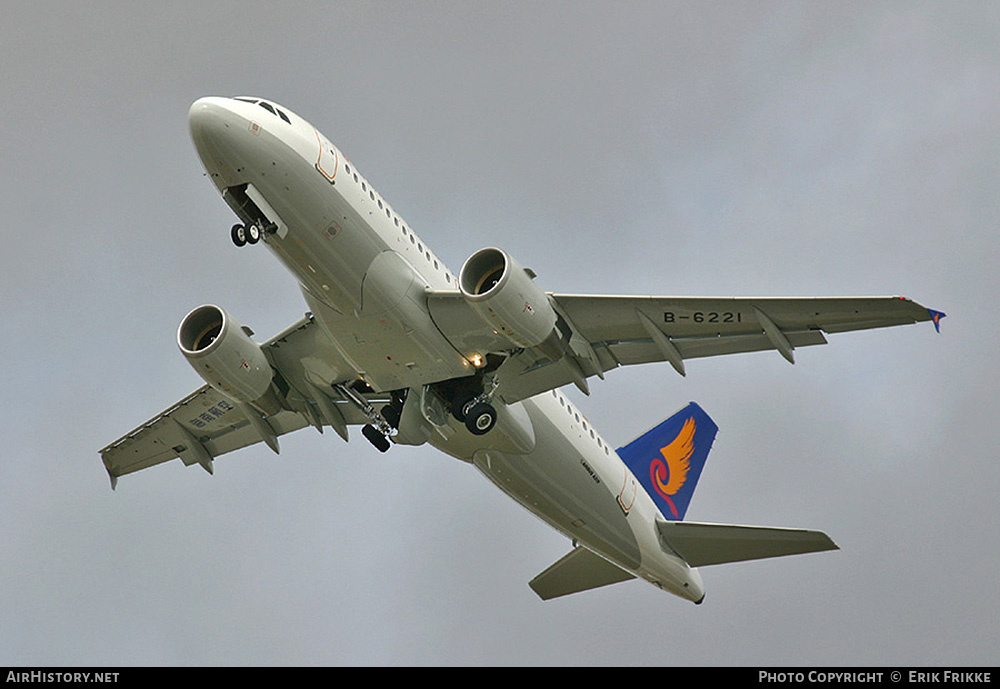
point(264, 104)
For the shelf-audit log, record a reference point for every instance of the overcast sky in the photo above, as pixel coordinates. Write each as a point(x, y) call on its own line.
point(723, 148)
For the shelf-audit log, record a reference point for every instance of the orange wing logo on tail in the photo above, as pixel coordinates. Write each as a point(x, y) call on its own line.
point(670, 473)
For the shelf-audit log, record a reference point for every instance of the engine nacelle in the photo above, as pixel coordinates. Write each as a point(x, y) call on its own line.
point(226, 358)
point(505, 297)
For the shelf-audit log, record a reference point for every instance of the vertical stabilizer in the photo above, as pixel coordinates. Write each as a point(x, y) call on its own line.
point(667, 460)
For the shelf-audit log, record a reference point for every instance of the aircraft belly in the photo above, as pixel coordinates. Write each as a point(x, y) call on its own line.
point(328, 250)
point(391, 341)
point(568, 484)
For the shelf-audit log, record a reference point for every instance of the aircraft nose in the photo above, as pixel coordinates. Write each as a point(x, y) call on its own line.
point(216, 130)
point(206, 118)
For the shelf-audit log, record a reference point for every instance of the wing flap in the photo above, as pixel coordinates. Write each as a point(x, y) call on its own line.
point(628, 352)
point(579, 570)
point(701, 544)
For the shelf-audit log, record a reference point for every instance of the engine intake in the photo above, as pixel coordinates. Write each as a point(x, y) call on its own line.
point(504, 295)
point(222, 353)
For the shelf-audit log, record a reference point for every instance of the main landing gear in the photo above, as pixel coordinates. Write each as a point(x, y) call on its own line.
point(468, 400)
point(478, 415)
point(383, 422)
point(375, 437)
point(391, 414)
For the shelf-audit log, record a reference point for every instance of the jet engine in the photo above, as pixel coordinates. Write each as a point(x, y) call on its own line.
point(506, 297)
point(221, 351)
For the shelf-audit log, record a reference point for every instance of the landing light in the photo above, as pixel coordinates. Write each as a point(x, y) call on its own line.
point(477, 360)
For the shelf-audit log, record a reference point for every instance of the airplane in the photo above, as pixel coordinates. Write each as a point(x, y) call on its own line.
point(471, 363)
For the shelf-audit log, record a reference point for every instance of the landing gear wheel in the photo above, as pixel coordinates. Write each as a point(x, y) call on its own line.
point(481, 418)
point(253, 234)
point(392, 414)
point(460, 409)
point(239, 235)
point(373, 435)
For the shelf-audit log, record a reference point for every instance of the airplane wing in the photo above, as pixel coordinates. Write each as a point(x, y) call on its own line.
point(206, 423)
point(606, 332)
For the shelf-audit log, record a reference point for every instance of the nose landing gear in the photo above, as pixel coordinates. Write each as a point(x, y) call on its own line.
point(245, 234)
point(252, 233)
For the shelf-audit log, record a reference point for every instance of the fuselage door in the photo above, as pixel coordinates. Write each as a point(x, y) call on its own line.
point(326, 161)
point(626, 497)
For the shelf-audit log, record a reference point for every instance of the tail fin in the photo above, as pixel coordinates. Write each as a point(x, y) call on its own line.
point(667, 460)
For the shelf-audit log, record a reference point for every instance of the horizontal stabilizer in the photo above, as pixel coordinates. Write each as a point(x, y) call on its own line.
point(579, 570)
point(702, 544)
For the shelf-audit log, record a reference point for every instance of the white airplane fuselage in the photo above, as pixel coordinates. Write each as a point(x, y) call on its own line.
point(364, 274)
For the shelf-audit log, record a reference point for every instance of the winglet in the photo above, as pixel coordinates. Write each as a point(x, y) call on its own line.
point(936, 316)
